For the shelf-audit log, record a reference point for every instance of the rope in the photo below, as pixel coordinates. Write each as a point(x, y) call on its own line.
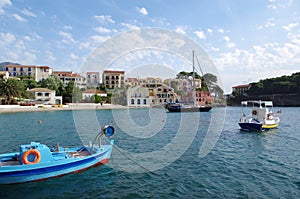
point(133, 160)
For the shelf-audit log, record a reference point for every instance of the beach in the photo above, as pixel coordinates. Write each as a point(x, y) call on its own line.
point(71, 106)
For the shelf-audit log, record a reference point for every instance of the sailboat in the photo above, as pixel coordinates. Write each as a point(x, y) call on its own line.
point(183, 107)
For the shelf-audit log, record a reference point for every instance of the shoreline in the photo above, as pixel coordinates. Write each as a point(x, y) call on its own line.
point(77, 106)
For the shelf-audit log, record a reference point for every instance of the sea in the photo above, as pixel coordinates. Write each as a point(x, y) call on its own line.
point(163, 155)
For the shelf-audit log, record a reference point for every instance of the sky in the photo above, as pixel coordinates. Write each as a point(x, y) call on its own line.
point(245, 40)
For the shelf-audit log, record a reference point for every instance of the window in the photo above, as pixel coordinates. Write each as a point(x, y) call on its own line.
point(15, 68)
point(21, 69)
point(15, 74)
point(89, 76)
point(39, 94)
point(139, 101)
point(47, 94)
point(6, 69)
point(107, 77)
point(145, 101)
point(29, 69)
point(132, 101)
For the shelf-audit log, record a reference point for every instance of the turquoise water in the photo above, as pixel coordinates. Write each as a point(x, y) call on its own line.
point(240, 165)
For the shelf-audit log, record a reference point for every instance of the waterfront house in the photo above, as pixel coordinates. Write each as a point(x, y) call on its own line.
point(91, 92)
point(138, 96)
point(162, 95)
point(241, 89)
point(46, 96)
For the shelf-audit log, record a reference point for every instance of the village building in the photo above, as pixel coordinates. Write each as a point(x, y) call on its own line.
point(113, 79)
point(241, 89)
point(138, 96)
point(67, 76)
point(46, 96)
point(92, 79)
point(91, 92)
point(37, 73)
point(162, 94)
point(4, 75)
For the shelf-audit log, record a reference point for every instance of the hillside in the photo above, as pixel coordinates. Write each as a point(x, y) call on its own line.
point(283, 91)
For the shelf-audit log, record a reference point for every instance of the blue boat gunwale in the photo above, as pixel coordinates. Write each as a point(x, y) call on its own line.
point(33, 169)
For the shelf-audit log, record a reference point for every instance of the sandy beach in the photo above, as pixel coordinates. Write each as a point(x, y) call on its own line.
point(73, 106)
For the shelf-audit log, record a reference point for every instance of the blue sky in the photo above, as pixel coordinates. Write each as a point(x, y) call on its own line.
point(246, 40)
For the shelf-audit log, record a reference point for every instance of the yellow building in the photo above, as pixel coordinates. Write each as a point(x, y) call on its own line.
point(113, 79)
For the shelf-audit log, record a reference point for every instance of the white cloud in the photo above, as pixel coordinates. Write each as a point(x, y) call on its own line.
point(200, 34)
point(181, 30)
point(102, 30)
point(230, 45)
point(142, 11)
point(209, 30)
point(277, 4)
point(68, 27)
point(226, 38)
point(290, 26)
point(220, 30)
point(104, 18)
point(99, 39)
point(4, 3)
point(73, 56)
point(19, 18)
point(130, 26)
point(28, 13)
point(67, 37)
point(50, 57)
point(7, 38)
point(27, 38)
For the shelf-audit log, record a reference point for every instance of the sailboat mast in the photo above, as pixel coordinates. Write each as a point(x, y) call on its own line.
point(193, 70)
point(194, 88)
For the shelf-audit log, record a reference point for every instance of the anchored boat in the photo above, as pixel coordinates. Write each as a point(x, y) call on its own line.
point(36, 161)
point(180, 107)
point(261, 118)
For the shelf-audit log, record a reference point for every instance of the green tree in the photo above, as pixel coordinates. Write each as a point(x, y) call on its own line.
point(72, 93)
point(53, 83)
point(98, 99)
point(11, 88)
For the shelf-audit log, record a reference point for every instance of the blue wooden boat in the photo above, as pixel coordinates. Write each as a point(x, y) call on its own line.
point(36, 161)
point(262, 117)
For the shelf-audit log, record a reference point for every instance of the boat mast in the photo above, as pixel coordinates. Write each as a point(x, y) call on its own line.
point(193, 83)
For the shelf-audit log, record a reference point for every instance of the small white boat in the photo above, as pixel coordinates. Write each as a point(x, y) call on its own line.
point(261, 117)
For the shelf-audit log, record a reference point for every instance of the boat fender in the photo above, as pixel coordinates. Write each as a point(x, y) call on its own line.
point(254, 112)
point(33, 152)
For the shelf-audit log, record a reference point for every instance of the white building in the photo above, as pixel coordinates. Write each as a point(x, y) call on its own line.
point(138, 96)
point(38, 73)
point(46, 96)
point(91, 92)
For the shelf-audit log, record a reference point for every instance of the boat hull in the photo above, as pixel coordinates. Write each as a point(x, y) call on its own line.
point(257, 126)
point(191, 109)
point(36, 172)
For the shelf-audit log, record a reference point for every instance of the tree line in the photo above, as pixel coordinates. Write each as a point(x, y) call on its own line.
point(278, 85)
point(11, 88)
